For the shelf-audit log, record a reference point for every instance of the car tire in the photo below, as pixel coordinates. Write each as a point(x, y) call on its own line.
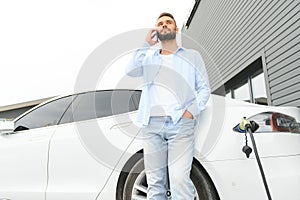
point(135, 185)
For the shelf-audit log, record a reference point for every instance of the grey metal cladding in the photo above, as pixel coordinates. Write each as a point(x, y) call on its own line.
point(235, 33)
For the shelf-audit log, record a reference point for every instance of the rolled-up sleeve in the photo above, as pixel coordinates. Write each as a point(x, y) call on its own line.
point(135, 66)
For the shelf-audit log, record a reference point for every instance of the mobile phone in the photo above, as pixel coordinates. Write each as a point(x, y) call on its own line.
point(154, 36)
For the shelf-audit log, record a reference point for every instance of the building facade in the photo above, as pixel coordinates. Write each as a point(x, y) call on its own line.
point(251, 48)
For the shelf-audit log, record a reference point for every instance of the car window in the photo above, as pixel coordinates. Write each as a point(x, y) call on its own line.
point(101, 104)
point(135, 96)
point(122, 101)
point(45, 115)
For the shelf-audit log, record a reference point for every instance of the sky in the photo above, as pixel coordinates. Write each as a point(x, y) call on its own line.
point(43, 44)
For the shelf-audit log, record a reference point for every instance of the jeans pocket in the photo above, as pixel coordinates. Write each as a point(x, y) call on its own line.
point(187, 119)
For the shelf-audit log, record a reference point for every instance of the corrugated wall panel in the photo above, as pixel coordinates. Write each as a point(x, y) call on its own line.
point(256, 38)
point(285, 67)
point(289, 34)
point(234, 32)
point(282, 93)
point(226, 37)
point(283, 61)
point(222, 24)
point(292, 103)
point(281, 87)
point(286, 46)
point(243, 37)
point(282, 54)
point(222, 41)
point(287, 98)
point(224, 30)
point(290, 79)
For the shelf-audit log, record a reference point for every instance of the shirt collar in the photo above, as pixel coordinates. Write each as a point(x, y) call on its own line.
point(156, 53)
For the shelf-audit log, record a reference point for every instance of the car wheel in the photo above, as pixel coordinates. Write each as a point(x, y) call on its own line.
point(135, 184)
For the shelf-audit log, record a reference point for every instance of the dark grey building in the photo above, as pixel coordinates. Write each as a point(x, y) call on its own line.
point(251, 48)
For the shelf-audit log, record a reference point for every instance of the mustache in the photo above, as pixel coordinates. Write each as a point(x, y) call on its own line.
point(165, 29)
point(168, 36)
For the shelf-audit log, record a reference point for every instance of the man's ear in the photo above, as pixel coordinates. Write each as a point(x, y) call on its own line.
point(176, 30)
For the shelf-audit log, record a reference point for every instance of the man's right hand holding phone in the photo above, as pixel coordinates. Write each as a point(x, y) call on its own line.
point(152, 37)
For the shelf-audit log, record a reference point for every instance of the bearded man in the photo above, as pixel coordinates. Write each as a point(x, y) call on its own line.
point(175, 92)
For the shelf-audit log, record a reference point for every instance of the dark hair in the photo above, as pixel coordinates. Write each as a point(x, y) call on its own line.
point(168, 15)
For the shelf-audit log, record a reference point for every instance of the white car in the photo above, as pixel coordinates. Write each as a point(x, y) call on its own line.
point(86, 146)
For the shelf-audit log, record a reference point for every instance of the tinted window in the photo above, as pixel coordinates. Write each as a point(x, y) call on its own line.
point(122, 101)
point(101, 104)
point(46, 115)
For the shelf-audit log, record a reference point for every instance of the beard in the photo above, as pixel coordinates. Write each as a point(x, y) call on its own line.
point(168, 36)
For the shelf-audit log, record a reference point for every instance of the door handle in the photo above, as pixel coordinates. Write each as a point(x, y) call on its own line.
point(121, 125)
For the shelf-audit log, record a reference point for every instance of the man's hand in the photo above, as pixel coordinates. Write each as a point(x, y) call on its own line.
point(151, 34)
point(187, 114)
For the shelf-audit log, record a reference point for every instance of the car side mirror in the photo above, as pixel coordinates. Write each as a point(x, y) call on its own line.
point(6, 127)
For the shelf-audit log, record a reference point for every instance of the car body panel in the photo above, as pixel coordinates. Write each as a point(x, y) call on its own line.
point(77, 168)
point(24, 160)
point(230, 170)
point(73, 173)
point(85, 159)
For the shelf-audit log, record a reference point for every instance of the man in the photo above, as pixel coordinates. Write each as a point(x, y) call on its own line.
point(175, 92)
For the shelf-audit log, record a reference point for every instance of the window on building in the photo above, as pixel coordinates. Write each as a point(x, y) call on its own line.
point(228, 94)
point(248, 85)
point(259, 89)
point(242, 93)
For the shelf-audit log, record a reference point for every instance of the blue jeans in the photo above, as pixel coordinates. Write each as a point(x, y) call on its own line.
point(169, 147)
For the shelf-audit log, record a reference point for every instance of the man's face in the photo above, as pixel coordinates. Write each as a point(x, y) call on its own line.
point(166, 28)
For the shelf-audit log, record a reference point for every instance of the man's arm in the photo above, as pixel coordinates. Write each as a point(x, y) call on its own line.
point(202, 89)
point(134, 68)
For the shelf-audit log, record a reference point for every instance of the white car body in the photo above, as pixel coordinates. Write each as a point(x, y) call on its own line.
point(55, 163)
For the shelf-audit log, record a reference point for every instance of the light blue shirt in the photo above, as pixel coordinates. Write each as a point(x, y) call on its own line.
point(192, 87)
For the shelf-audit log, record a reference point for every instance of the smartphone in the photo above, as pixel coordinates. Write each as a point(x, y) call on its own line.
point(154, 36)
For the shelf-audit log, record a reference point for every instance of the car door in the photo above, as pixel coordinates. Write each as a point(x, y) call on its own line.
point(24, 153)
point(76, 168)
